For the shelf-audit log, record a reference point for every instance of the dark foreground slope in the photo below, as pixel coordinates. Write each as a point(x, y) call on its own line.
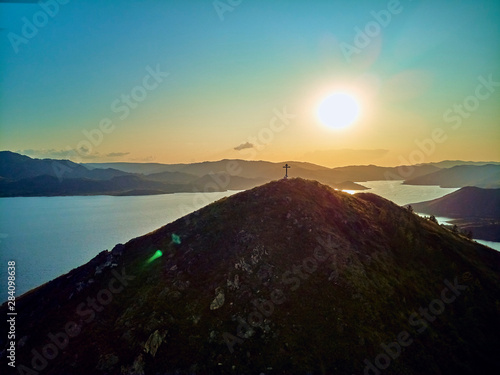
point(290, 277)
point(477, 210)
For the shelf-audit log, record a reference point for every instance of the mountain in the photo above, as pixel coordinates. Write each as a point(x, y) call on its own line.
point(51, 186)
point(291, 277)
point(375, 173)
point(486, 176)
point(466, 202)
point(271, 171)
point(23, 176)
point(172, 177)
point(140, 168)
point(478, 210)
point(198, 169)
point(453, 163)
point(15, 166)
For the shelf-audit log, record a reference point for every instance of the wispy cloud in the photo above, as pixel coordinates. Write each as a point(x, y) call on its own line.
point(46, 153)
point(243, 146)
point(117, 154)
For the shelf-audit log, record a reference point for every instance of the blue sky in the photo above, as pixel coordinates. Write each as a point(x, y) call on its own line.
point(228, 74)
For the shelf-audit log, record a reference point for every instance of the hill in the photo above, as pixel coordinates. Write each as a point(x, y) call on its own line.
point(485, 176)
point(15, 167)
point(290, 277)
point(478, 210)
point(47, 186)
point(466, 202)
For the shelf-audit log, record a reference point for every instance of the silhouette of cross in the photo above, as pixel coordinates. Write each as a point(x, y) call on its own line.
point(286, 170)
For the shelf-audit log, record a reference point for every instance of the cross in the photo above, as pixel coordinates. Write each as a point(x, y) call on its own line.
point(286, 170)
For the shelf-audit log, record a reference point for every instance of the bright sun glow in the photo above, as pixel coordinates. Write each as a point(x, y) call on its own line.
point(338, 110)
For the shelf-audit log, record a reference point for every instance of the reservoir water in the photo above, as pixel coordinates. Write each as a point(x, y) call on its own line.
point(49, 236)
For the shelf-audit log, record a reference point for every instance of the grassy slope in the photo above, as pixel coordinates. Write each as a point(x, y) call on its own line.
point(385, 264)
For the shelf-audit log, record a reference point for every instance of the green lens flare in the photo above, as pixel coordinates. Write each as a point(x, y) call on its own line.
point(156, 255)
point(176, 239)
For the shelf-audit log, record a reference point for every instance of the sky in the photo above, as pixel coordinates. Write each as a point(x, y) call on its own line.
point(189, 81)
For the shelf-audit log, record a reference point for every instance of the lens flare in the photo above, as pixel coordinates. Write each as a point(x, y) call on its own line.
point(156, 255)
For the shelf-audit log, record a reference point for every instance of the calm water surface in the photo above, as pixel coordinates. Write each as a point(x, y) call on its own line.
point(49, 236)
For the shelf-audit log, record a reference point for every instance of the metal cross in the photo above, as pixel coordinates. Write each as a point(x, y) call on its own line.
point(286, 170)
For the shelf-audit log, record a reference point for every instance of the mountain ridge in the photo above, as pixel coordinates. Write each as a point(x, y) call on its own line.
point(20, 176)
point(23, 176)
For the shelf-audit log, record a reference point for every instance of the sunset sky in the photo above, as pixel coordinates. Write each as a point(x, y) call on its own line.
point(188, 81)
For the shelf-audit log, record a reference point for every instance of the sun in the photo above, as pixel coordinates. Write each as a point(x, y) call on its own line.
point(338, 110)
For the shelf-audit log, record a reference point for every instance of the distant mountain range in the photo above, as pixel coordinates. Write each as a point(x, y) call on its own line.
point(486, 176)
point(272, 171)
point(291, 277)
point(16, 167)
point(23, 176)
point(477, 210)
point(453, 163)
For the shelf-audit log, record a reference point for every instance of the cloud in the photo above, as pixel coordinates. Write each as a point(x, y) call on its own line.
point(47, 154)
point(243, 146)
point(117, 154)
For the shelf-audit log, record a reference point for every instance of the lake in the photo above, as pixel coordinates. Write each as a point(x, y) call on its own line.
point(49, 236)
point(405, 194)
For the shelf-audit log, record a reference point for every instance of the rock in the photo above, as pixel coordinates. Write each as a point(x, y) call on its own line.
point(118, 250)
point(22, 341)
point(137, 368)
point(79, 286)
point(233, 285)
point(218, 300)
point(107, 361)
point(154, 341)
